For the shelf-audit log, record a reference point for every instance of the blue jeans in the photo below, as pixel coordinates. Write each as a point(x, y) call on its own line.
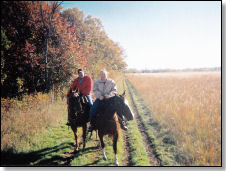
point(89, 98)
point(93, 109)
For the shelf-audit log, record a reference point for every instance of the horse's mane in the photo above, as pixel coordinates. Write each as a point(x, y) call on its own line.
point(106, 103)
point(79, 118)
point(107, 120)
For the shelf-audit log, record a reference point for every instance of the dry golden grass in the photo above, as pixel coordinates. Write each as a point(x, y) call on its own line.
point(189, 105)
point(22, 121)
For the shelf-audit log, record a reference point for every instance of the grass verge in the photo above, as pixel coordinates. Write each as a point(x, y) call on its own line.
point(166, 151)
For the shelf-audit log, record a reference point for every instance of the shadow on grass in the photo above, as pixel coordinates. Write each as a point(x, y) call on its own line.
point(93, 163)
point(52, 156)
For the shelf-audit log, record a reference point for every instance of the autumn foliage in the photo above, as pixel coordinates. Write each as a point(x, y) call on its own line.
point(43, 45)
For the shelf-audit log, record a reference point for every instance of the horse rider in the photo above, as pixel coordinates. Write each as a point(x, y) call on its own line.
point(84, 85)
point(103, 88)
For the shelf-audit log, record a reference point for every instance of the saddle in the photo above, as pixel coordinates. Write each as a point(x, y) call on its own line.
point(84, 100)
point(98, 112)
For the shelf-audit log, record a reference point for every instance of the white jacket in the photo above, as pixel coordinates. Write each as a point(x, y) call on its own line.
point(107, 88)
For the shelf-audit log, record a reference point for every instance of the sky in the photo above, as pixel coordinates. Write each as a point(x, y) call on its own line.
point(161, 34)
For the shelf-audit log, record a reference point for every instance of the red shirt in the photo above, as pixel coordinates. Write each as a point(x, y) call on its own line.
point(84, 87)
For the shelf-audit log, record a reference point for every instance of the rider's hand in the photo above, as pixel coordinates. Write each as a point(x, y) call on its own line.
point(101, 98)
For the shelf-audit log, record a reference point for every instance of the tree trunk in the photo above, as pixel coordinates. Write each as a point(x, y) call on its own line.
point(46, 48)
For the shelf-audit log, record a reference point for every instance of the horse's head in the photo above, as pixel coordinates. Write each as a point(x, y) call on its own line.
point(74, 103)
point(123, 107)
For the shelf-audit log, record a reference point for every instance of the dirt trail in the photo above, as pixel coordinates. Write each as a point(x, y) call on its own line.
point(149, 149)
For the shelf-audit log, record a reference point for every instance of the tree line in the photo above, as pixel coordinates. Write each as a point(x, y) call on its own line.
point(134, 70)
point(43, 45)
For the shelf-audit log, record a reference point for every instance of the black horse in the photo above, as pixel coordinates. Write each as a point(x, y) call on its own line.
point(107, 119)
point(78, 111)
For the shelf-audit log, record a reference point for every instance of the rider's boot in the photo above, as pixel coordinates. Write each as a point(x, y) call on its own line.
point(123, 124)
point(68, 123)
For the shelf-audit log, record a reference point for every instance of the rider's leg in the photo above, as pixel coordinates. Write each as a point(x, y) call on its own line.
point(93, 109)
point(92, 113)
point(89, 98)
point(68, 121)
point(122, 123)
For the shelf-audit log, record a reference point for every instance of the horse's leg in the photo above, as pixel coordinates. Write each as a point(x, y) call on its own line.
point(91, 135)
point(102, 145)
point(84, 129)
point(115, 138)
point(74, 128)
point(96, 134)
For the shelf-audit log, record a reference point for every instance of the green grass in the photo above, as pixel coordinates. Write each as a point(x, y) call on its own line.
point(138, 152)
point(46, 146)
point(166, 151)
point(53, 145)
point(137, 149)
point(92, 156)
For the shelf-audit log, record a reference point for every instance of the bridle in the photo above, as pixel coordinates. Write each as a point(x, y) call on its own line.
point(81, 111)
point(122, 110)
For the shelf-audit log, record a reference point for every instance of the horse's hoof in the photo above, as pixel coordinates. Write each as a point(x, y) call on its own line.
point(116, 163)
point(104, 158)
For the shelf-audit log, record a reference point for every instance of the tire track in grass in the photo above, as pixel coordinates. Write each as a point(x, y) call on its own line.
point(134, 147)
point(138, 154)
point(125, 139)
point(148, 145)
point(127, 155)
point(166, 151)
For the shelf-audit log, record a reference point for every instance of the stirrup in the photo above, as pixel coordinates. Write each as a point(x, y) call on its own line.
point(124, 127)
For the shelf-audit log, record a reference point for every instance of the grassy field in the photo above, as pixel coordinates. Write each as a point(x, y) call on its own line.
point(33, 133)
point(177, 122)
point(188, 105)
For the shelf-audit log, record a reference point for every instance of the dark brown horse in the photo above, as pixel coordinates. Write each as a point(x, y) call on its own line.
point(107, 119)
point(78, 110)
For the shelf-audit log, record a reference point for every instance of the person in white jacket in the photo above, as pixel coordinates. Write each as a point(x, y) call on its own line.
point(103, 88)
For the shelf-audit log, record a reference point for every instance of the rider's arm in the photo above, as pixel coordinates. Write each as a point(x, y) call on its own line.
point(73, 87)
point(96, 91)
point(113, 90)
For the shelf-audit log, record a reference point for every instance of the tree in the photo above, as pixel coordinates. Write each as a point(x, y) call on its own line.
point(43, 47)
point(5, 45)
point(47, 14)
point(14, 25)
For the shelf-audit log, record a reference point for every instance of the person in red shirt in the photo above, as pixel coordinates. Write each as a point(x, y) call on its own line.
point(84, 85)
